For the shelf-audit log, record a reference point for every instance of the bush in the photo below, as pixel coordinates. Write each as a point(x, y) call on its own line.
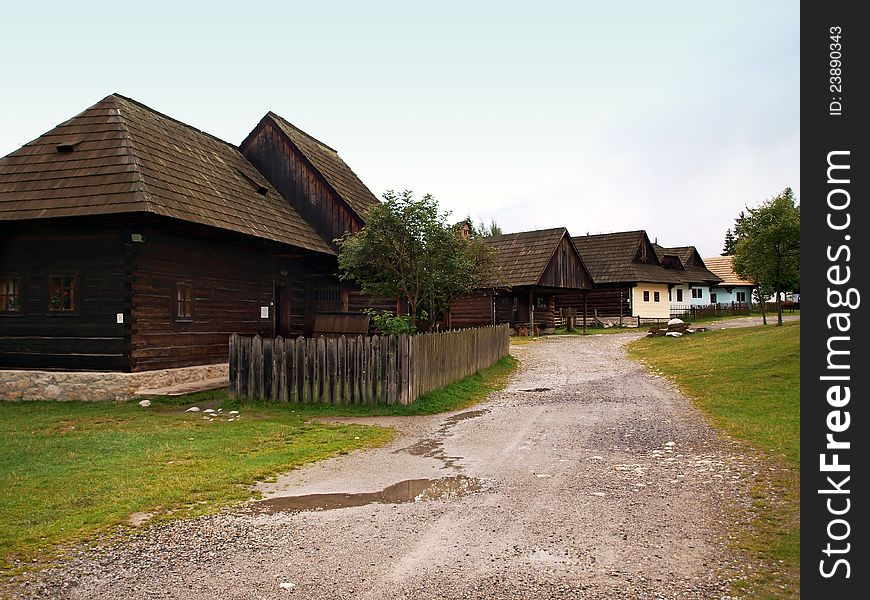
point(388, 323)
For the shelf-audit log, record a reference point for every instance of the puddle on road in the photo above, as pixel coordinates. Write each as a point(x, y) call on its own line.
point(434, 447)
point(539, 389)
point(410, 490)
point(451, 421)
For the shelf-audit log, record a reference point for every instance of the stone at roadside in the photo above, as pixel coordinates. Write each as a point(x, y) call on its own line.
point(193, 409)
point(675, 322)
point(286, 585)
point(674, 334)
point(144, 403)
point(208, 411)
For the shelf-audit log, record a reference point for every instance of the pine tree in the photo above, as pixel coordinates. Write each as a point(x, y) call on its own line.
point(730, 243)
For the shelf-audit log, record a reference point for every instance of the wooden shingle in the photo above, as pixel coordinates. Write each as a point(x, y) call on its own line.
point(693, 268)
point(330, 165)
point(622, 257)
point(119, 156)
point(723, 267)
point(522, 258)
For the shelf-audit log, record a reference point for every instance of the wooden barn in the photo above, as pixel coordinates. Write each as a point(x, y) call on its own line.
point(630, 281)
point(534, 268)
point(325, 191)
point(130, 241)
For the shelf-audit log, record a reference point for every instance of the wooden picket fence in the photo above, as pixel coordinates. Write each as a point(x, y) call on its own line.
point(359, 369)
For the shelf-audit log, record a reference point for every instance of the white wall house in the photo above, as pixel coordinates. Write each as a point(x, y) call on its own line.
point(695, 278)
point(733, 289)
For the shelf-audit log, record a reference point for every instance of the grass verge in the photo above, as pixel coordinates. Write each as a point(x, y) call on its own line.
point(747, 383)
point(456, 396)
point(72, 470)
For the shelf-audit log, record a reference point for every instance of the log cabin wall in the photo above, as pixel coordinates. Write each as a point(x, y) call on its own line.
point(565, 270)
point(230, 279)
point(47, 330)
point(471, 311)
point(268, 149)
point(606, 300)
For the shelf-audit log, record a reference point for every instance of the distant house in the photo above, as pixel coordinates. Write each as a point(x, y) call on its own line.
point(630, 281)
point(534, 268)
point(131, 241)
point(696, 279)
point(732, 289)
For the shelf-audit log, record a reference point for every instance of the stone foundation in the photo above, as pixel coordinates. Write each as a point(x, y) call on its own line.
point(97, 385)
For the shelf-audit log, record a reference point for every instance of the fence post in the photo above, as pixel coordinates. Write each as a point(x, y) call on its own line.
point(233, 391)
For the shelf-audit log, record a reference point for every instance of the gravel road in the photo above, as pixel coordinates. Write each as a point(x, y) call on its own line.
point(588, 477)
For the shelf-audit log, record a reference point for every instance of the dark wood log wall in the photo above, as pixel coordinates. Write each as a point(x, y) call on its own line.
point(605, 300)
point(269, 151)
point(88, 338)
point(231, 278)
point(565, 269)
point(471, 311)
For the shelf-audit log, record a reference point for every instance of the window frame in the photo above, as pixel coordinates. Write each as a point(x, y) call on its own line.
point(679, 294)
point(75, 296)
point(4, 277)
point(738, 295)
point(646, 295)
point(700, 294)
point(176, 302)
point(657, 297)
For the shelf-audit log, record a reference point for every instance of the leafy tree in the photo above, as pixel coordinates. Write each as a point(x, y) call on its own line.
point(730, 243)
point(484, 230)
point(408, 250)
point(768, 249)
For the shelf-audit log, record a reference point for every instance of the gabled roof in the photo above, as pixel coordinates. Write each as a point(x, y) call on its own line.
point(119, 156)
point(338, 175)
point(693, 268)
point(722, 266)
point(522, 258)
point(622, 257)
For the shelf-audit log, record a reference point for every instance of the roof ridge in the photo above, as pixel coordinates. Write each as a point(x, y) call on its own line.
point(548, 229)
point(168, 118)
point(305, 133)
point(143, 189)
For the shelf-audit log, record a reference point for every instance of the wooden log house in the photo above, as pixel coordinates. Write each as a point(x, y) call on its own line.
point(131, 241)
point(534, 268)
point(630, 281)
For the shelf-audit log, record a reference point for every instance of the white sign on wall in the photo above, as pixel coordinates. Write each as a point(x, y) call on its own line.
point(119, 318)
point(264, 312)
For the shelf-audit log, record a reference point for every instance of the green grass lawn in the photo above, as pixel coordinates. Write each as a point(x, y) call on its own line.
point(72, 470)
point(747, 383)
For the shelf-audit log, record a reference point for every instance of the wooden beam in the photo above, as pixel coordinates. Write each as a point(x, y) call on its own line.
point(531, 312)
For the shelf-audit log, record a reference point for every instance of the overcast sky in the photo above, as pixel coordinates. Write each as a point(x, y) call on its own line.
point(666, 116)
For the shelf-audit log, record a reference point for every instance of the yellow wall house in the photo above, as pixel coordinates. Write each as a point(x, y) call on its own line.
point(630, 279)
point(650, 301)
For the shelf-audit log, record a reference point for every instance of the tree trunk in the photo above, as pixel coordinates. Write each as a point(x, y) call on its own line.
point(778, 308)
point(761, 303)
point(412, 310)
point(569, 324)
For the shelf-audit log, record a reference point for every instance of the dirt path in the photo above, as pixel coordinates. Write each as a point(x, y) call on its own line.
point(586, 478)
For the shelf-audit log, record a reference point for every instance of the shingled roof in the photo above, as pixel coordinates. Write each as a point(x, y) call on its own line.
point(522, 258)
point(693, 268)
point(622, 257)
point(329, 164)
point(119, 156)
point(723, 267)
